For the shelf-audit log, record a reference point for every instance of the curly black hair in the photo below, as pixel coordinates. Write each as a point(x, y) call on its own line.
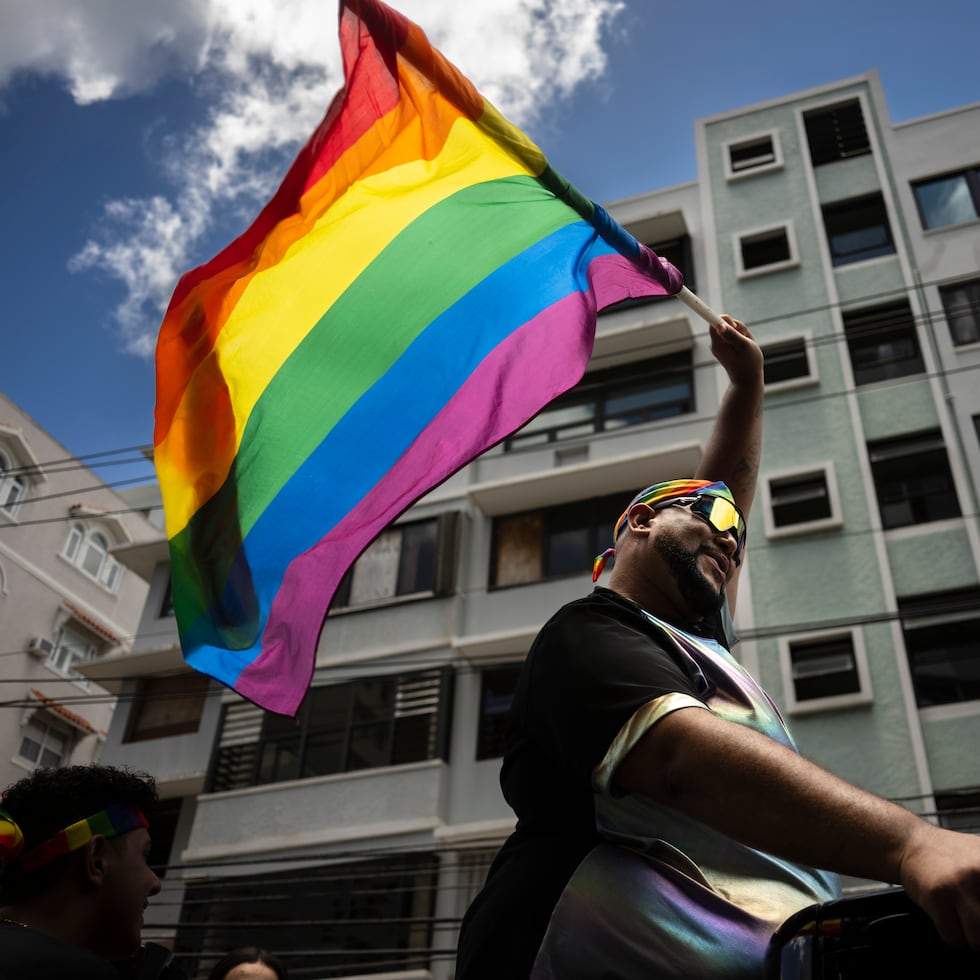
point(48, 800)
point(247, 954)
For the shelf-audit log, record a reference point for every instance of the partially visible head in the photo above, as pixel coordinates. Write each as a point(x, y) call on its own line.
point(700, 542)
point(81, 832)
point(249, 963)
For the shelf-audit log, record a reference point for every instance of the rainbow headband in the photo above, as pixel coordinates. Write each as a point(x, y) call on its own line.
point(110, 822)
point(654, 495)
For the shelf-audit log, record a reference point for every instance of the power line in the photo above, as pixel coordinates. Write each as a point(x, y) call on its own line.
point(676, 422)
point(417, 664)
point(926, 317)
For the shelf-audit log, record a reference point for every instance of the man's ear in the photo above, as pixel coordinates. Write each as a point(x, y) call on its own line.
point(640, 517)
point(95, 856)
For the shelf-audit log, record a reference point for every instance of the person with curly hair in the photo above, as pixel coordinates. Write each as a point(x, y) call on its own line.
point(74, 878)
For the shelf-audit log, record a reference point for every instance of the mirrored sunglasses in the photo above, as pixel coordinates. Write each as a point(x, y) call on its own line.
point(720, 513)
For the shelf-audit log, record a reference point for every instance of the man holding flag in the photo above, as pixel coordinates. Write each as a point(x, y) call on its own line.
point(666, 825)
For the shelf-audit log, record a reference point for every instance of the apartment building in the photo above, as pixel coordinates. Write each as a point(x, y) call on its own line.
point(353, 838)
point(65, 600)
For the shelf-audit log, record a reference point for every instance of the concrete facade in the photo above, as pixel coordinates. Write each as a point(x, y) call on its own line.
point(840, 603)
point(64, 598)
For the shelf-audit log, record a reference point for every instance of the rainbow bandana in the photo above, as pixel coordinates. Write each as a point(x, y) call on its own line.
point(657, 494)
point(110, 822)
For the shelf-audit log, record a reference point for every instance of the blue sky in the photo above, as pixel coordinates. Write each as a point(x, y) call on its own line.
point(134, 146)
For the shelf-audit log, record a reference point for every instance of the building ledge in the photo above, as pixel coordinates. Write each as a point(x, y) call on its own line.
point(579, 481)
point(111, 672)
point(143, 557)
point(321, 837)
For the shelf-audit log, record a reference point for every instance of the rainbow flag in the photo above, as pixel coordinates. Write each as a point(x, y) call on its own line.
point(421, 284)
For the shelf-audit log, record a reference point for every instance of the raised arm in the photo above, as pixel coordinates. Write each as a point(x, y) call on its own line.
point(735, 446)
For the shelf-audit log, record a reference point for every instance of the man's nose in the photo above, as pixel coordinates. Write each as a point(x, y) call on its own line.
point(728, 541)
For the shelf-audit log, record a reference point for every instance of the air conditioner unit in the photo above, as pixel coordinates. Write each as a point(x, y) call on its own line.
point(40, 646)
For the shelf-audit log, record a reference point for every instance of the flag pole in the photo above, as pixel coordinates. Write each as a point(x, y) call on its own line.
point(699, 306)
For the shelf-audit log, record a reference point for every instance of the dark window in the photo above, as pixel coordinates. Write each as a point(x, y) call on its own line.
point(765, 248)
point(562, 540)
point(882, 342)
point(163, 823)
point(824, 668)
point(364, 724)
point(677, 251)
point(407, 559)
point(497, 686)
point(959, 809)
point(941, 632)
point(836, 133)
point(785, 361)
point(336, 920)
point(800, 499)
point(751, 154)
point(631, 394)
point(913, 479)
point(858, 229)
point(166, 706)
point(167, 606)
point(961, 301)
point(950, 199)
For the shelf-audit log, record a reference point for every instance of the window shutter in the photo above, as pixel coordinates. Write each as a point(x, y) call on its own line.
point(422, 710)
point(234, 764)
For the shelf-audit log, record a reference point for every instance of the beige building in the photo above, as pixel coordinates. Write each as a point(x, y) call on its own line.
point(65, 600)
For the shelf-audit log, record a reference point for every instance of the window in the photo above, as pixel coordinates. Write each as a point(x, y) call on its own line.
point(824, 671)
point(341, 920)
point(88, 550)
point(913, 479)
point(800, 499)
point(786, 360)
point(950, 199)
point(405, 560)
point(836, 133)
point(677, 251)
point(166, 815)
point(961, 301)
point(43, 746)
point(497, 686)
point(941, 631)
point(765, 251)
point(858, 229)
point(554, 541)
point(959, 809)
point(754, 155)
point(165, 706)
point(363, 724)
point(71, 648)
point(882, 342)
point(615, 398)
point(12, 487)
point(824, 668)
point(167, 605)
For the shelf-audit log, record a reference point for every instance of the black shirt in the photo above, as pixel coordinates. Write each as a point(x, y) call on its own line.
point(592, 666)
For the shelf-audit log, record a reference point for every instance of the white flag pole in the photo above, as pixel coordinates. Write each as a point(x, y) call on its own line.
point(701, 308)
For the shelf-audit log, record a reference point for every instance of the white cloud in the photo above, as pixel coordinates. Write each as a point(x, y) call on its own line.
point(268, 69)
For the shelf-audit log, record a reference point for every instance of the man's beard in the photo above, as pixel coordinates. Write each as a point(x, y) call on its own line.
point(701, 595)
